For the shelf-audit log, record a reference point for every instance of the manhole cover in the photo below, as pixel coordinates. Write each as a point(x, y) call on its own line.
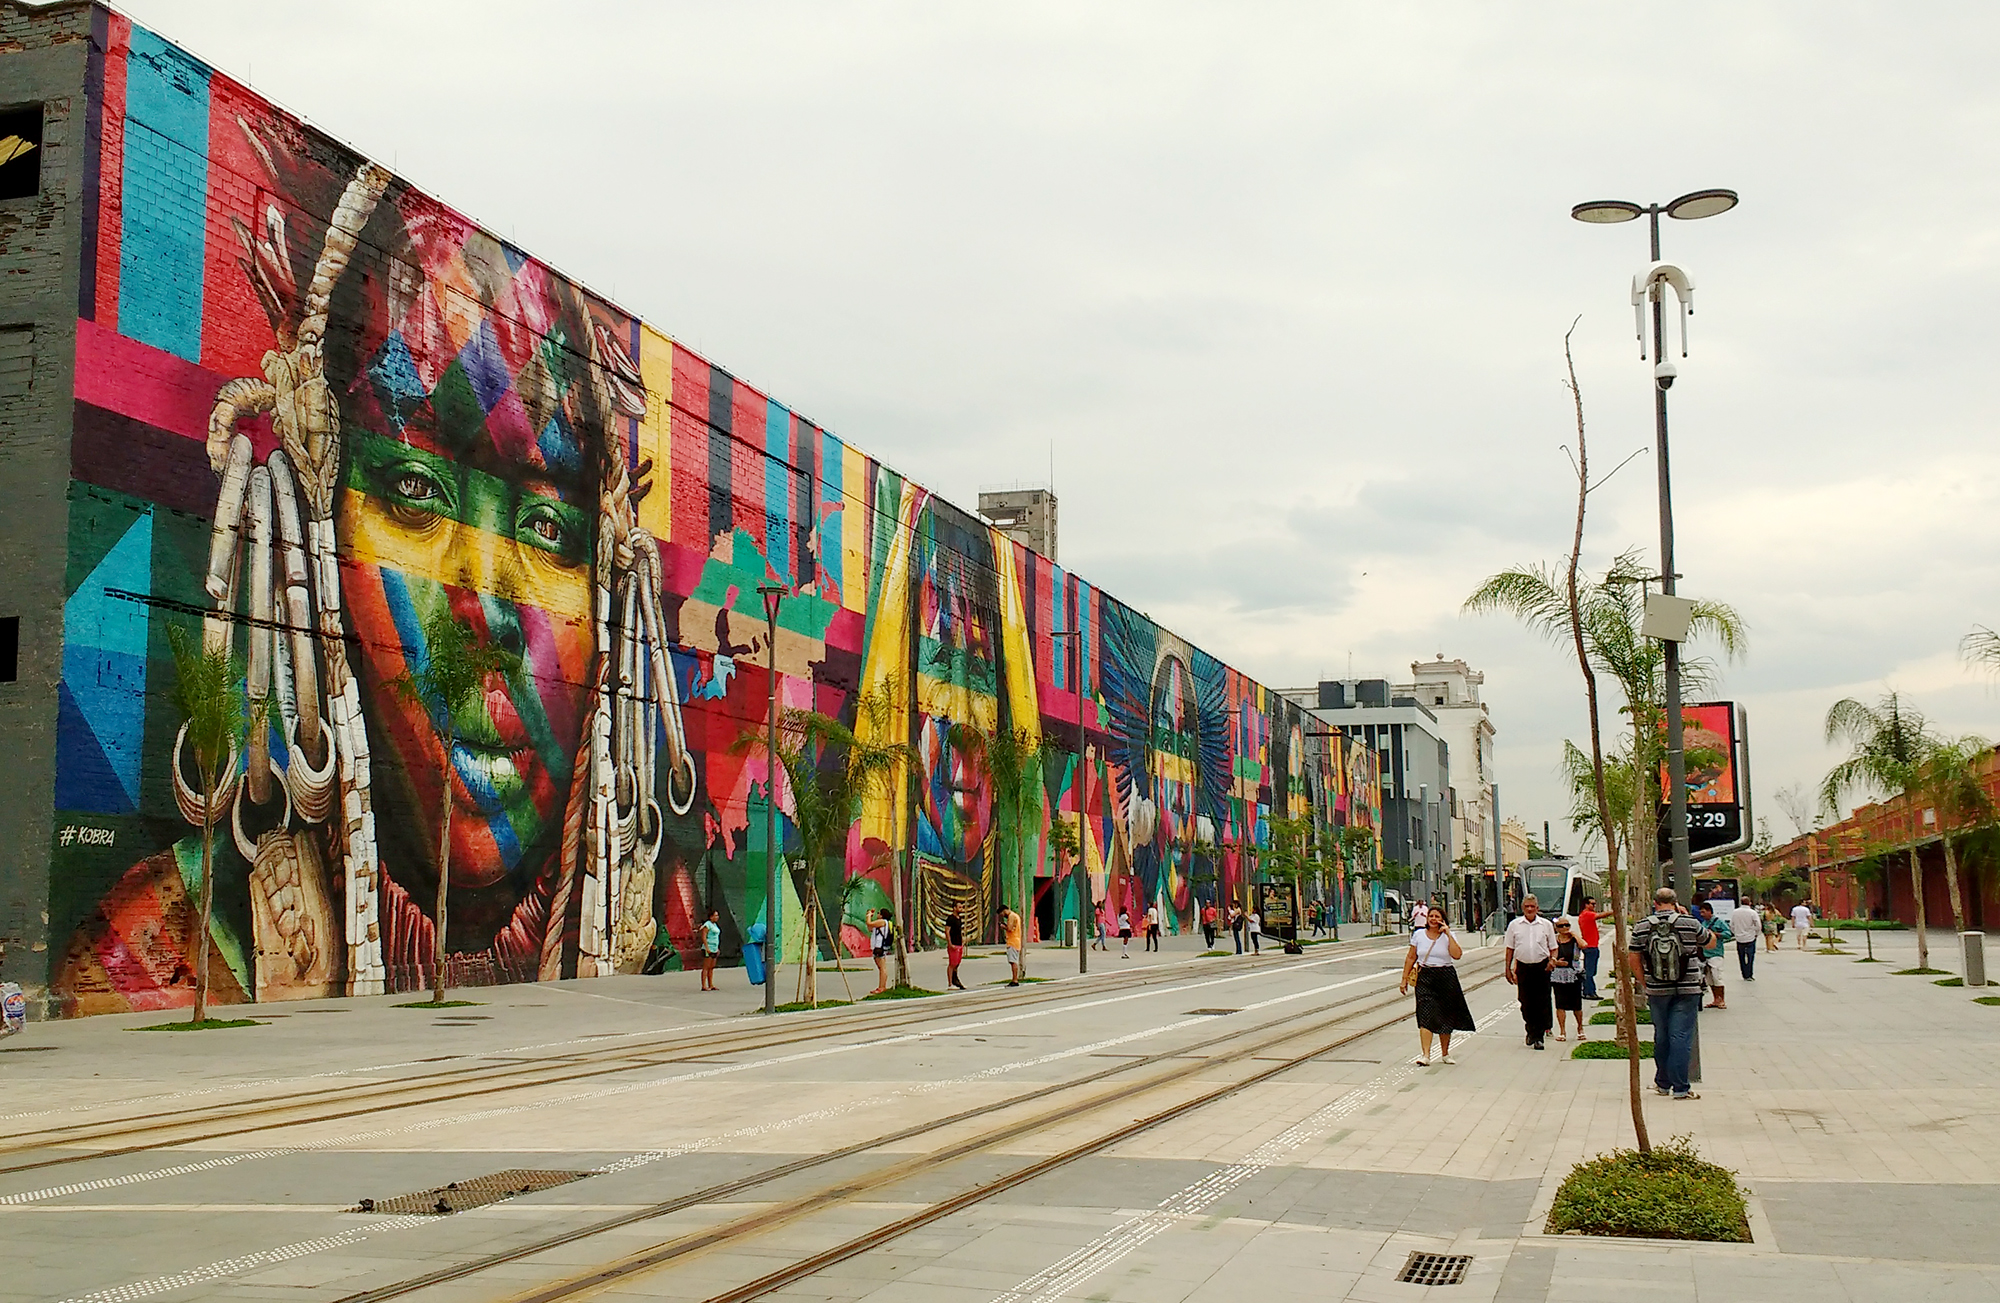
point(474, 1193)
point(1435, 1269)
point(1210, 1013)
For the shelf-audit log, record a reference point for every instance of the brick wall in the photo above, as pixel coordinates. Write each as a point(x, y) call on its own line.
point(43, 60)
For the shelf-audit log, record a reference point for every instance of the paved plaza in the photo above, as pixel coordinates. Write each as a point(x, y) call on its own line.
point(1856, 1106)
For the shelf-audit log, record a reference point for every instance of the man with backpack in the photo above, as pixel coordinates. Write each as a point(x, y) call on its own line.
point(1666, 954)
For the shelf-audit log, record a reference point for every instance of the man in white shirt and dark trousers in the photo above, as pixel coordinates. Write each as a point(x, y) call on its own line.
point(1745, 926)
point(1801, 922)
point(1531, 940)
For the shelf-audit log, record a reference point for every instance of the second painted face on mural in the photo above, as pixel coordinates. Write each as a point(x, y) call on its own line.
point(470, 486)
point(958, 681)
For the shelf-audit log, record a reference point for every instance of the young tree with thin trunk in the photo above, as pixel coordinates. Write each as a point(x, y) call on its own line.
point(1889, 744)
point(447, 676)
point(1531, 603)
point(208, 689)
point(829, 772)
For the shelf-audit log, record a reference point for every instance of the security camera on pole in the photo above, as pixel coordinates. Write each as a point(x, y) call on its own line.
point(1666, 614)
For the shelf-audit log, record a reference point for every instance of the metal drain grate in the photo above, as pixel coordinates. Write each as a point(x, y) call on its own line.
point(1210, 1013)
point(1435, 1269)
point(474, 1193)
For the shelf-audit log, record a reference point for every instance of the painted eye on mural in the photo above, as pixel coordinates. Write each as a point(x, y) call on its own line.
point(414, 493)
point(553, 527)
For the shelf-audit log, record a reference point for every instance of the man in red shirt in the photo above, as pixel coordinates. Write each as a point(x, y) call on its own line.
point(1586, 929)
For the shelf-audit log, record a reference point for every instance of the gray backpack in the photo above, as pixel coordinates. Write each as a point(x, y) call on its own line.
point(1666, 953)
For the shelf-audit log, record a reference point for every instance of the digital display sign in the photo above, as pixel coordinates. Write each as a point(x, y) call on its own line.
point(1715, 804)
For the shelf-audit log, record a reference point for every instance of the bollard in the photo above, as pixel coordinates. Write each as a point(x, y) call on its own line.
point(1069, 933)
point(1972, 947)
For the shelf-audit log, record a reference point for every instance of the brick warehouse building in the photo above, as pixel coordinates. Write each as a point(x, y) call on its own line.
point(257, 388)
point(1831, 855)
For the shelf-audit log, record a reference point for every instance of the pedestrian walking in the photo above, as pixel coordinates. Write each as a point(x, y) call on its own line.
point(1773, 925)
point(878, 947)
point(1256, 928)
point(1802, 922)
point(1587, 936)
point(1744, 927)
point(1152, 927)
point(1566, 978)
point(1208, 926)
point(1711, 952)
point(1531, 942)
point(1010, 935)
point(1432, 967)
point(1101, 928)
point(1236, 927)
point(1124, 934)
point(1665, 954)
point(954, 947)
point(711, 948)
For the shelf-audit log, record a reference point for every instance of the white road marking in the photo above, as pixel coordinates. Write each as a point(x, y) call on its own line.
point(1107, 1250)
point(199, 1092)
point(233, 1266)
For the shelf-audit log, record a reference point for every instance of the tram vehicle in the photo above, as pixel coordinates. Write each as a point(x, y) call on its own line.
point(1558, 886)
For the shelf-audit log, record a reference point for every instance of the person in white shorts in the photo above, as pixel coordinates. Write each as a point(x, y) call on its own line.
point(1801, 922)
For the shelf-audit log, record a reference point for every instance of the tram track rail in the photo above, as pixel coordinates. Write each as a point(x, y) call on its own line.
point(1176, 1065)
point(478, 1079)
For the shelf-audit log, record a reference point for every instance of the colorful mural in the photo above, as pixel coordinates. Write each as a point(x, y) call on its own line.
point(314, 406)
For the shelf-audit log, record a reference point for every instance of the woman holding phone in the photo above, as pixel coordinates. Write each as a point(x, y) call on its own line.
point(1432, 967)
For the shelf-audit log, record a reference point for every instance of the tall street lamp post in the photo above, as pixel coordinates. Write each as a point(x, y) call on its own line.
point(1689, 207)
point(772, 595)
point(1086, 909)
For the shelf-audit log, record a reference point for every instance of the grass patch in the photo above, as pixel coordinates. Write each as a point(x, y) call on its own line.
point(1214, 954)
point(795, 1006)
point(1860, 925)
point(1920, 972)
point(1949, 981)
point(913, 992)
point(1670, 1194)
point(1610, 1017)
point(1986, 999)
point(1002, 981)
point(1608, 1050)
point(205, 1025)
point(438, 1004)
point(1607, 1004)
point(1863, 960)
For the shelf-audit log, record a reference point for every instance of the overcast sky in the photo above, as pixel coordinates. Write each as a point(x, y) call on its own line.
point(1284, 288)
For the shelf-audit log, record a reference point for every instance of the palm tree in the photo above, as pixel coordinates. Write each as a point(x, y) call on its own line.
point(1013, 759)
point(1981, 647)
point(1951, 774)
point(208, 689)
point(1610, 613)
point(1889, 744)
point(830, 773)
point(447, 677)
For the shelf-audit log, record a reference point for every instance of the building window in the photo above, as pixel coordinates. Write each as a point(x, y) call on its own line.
point(21, 152)
point(10, 648)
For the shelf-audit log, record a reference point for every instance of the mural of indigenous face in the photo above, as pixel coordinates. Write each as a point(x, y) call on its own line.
point(1173, 764)
point(957, 684)
point(947, 635)
point(472, 456)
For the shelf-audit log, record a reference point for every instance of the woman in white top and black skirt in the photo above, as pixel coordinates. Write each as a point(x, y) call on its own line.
point(1432, 966)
